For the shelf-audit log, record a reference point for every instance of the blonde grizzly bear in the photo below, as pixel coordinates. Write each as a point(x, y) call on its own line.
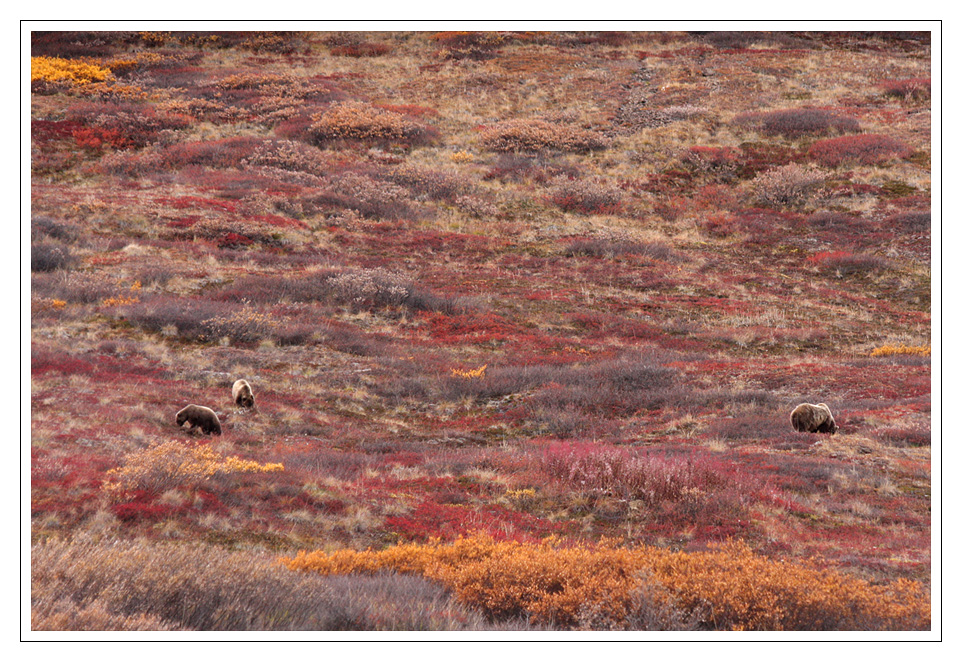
point(242, 394)
point(197, 416)
point(813, 418)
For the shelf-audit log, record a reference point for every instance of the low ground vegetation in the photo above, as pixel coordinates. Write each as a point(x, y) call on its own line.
point(524, 353)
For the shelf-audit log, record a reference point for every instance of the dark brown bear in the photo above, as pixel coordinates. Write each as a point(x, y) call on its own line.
point(813, 418)
point(197, 416)
point(243, 396)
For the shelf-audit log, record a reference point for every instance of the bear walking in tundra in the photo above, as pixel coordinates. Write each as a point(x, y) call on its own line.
point(242, 394)
point(203, 417)
point(813, 418)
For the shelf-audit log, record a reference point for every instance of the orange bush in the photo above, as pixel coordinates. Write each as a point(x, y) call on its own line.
point(169, 464)
point(726, 588)
point(57, 70)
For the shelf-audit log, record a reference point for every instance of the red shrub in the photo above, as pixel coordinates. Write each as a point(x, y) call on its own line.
point(865, 149)
point(139, 124)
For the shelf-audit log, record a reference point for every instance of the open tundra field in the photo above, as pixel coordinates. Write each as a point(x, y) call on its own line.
point(524, 316)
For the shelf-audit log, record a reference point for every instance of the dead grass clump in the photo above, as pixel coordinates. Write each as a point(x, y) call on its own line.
point(133, 584)
point(790, 185)
point(532, 135)
point(92, 615)
point(356, 121)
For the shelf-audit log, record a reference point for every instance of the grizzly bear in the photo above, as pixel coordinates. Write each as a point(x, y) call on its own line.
point(813, 418)
point(197, 416)
point(242, 394)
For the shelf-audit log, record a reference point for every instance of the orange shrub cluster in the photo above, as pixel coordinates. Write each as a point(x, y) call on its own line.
point(119, 301)
point(888, 350)
point(169, 464)
point(354, 120)
point(477, 373)
point(522, 135)
point(60, 70)
point(725, 588)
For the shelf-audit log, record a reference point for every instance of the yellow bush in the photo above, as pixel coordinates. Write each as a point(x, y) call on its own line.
point(888, 350)
point(171, 463)
point(56, 69)
point(119, 301)
point(726, 588)
point(477, 373)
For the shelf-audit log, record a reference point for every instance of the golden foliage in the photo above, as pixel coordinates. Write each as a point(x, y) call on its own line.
point(727, 587)
point(165, 465)
point(56, 69)
point(119, 301)
point(463, 156)
point(889, 350)
point(477, 373)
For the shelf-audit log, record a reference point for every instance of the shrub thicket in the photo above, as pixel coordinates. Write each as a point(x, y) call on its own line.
point(726, 588)
point(357, 121)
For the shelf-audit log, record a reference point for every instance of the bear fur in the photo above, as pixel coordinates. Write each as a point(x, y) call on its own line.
point(202, 417)
point(242, 394)
point(813, 418)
